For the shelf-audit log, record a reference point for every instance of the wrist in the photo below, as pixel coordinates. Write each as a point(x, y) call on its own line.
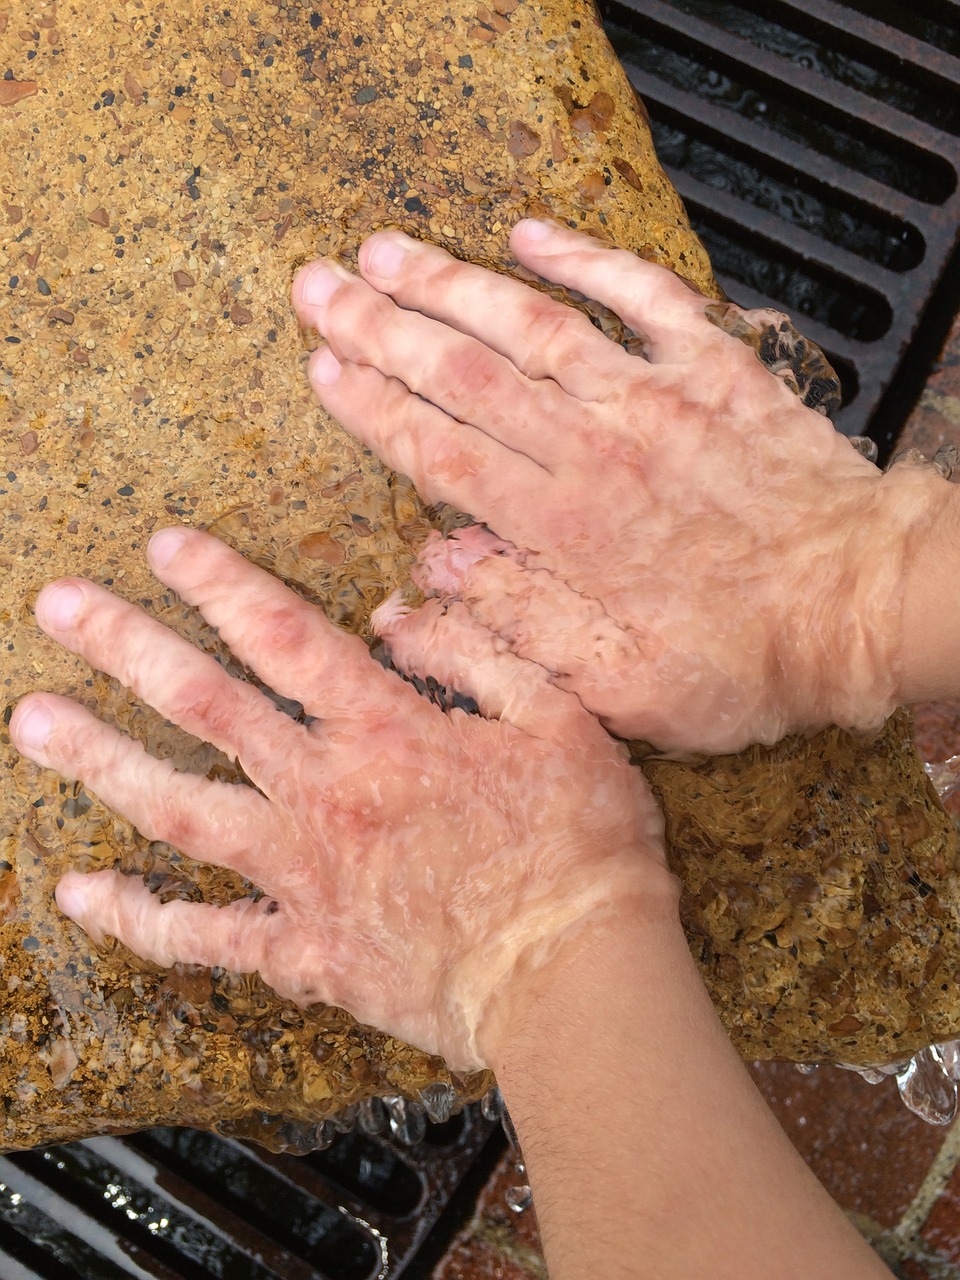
point(870, 626)
point(545, 985)
point(927, 666)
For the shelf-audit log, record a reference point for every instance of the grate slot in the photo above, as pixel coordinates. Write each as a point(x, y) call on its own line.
point(852, 48)
point(56, 1239)
point(935, 22)
point(744, 251)
point(176, 1204)
point(834, 205)
point(297, 1234)
point(12, 1269)
point(696, 115)
point(114, 1194)
point(816, 115)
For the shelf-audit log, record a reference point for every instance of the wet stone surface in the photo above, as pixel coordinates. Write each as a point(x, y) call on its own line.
point(174, 166)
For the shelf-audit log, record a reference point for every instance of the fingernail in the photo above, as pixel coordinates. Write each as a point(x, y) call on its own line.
point(33, 728)
point(72, 897)
point(165, 545)
point(325, 367)
point(319, 284)
point(58, 605)
point(385, 257)
point(533, 229)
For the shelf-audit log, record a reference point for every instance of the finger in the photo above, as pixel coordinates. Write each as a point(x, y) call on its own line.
point(540, 336)
point(461, 376)
point(184, 685)
point(446, 460)
point(651, 299)
point(207, 820)
point(289, 643)
point(443, 563)
point(447, 643)
point(542, 619)
point(238, 936)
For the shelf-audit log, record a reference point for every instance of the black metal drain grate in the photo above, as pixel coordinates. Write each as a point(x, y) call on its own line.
point(816, 146)
point(176, 1204)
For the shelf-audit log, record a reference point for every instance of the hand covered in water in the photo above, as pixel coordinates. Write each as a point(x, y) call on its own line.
point(416, 863)
point(701, 558)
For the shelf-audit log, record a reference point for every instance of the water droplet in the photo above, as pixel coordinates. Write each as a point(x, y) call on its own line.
point(324, 1136)
point(872, 1075)
point(345, 1121)
point(408, 1121)
point(519, 1199)
point(372, 1116)
point(949, 1056)
point(945, 776)
point(927, 1090)
point(438, 1100)
point(491, 1105)
point(807, 1068)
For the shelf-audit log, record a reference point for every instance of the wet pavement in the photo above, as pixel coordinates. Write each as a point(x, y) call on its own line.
point(897, 1177)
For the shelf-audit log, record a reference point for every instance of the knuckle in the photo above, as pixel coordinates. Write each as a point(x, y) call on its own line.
point(288, 626)
point(355, 308)
point(212, 706)
point(471, 371)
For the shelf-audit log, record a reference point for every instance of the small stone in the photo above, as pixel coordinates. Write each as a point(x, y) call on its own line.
point(28, 442)
point(43, 288)
point(320, 546)
point(132, 88)
point(521, 139)
point(365, 95)
point(100, 217)
point(12, 91)
point(240, 314)
point(595, 117)
point(183, 280)
point(60, 315)
point(628, 173)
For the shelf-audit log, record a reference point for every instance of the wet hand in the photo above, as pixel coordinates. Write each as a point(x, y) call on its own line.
point(415, 863)
point(705, 561)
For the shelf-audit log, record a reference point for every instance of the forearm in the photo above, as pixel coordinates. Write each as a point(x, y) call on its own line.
point(649, 1151)
point(930, 668)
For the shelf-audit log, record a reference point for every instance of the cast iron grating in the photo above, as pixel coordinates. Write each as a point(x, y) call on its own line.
point(177, 1204)
point(816, 146)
